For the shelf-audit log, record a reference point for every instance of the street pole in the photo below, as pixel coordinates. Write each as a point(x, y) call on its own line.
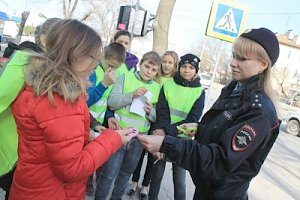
point(137, 6)
point(203, 46)
point(207, 103)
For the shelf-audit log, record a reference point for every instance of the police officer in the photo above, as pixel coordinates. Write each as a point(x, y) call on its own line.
point(235, 136)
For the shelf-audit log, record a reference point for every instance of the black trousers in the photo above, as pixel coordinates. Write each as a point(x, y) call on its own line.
point(6, 181)
point(148, 171)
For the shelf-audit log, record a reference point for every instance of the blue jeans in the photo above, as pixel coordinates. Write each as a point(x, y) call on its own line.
point(122, 164)
point(178, 180)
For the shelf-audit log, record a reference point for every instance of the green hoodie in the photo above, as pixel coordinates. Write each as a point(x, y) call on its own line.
point(11, 83)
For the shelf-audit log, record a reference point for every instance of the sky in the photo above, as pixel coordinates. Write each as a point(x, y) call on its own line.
point(190, 17)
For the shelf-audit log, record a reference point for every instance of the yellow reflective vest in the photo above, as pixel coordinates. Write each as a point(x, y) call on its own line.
point(99, 108)
point(165, 79)
point(180, 99)
point(128, 119)
point(11, 83)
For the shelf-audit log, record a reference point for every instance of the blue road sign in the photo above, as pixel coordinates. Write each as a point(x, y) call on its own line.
point(226, 20)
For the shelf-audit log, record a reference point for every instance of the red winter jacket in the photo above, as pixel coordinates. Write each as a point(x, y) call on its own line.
point(54, 156)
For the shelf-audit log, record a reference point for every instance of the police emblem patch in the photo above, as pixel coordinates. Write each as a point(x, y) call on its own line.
point(243, 138)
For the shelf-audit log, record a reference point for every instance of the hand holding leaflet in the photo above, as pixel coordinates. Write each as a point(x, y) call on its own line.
point(137, 105)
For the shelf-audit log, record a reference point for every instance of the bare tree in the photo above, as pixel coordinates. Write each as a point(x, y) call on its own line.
point(86, 15)
point(209, 56)
point(103, 17)
point(24, 18)
point(42, 15)
point(69, 8)
point(280, 75)
point(161, 25)
point(296, 76)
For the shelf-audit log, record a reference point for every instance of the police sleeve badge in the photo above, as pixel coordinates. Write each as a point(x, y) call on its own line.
point(243, 138)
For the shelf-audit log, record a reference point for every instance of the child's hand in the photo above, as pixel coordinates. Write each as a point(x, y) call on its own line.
point(148, 107)
point(126, 135)
point(139, 92)
point(113, 123)
point(96, 132)
point(92, 135)
point(109, 77)
point(99, 128)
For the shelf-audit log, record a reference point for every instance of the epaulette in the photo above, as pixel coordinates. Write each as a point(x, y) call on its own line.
point(256, 100)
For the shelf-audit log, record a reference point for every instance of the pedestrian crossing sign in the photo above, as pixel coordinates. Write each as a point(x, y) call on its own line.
point(227, 20)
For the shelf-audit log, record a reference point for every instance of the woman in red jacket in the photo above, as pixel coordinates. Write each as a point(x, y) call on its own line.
point(53, 120)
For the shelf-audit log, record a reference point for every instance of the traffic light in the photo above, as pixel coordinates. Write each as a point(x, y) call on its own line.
point(124, 17)
point(135, 19)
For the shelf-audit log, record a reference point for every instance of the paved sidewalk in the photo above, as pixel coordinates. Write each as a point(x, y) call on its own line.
point(166, 190)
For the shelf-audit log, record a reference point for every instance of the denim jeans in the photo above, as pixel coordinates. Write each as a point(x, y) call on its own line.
point(178, 180)
point(121, 164)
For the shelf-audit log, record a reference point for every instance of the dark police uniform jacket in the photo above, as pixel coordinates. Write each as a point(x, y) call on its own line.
point(233, 139)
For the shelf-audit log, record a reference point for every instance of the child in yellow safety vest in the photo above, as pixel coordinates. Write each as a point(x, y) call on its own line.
point(169, 65)
point(102, 79)
point(132, 98)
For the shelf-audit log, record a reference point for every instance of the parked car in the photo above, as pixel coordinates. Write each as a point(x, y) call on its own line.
point(205, 80)
point(293, 123)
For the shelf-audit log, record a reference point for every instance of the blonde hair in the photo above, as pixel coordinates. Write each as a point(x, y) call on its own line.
point(248, 49)
point(174, 55)
point(52, 72)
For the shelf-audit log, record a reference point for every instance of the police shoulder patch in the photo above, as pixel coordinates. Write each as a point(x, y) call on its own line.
point(243, 138)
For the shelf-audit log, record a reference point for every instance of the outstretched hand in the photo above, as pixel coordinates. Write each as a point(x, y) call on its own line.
point(126, 135)
point(152, 143)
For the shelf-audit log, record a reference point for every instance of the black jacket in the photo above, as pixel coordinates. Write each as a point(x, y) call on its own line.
point(163, 119)
point(233, 139)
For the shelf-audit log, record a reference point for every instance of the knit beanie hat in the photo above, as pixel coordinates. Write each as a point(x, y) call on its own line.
point(191, 59)
point(265, 38)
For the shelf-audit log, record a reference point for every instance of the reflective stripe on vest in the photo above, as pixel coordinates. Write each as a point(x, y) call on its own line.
point(99, 108)
point(180, 99)
point(126, 118)
point(135, 121)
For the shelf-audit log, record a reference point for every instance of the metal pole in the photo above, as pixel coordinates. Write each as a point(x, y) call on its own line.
point(207, 103)
point(137, 5)
point(202, 50)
